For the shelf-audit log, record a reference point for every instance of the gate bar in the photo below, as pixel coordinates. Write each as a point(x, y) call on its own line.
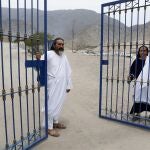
point(145, 13)
point(101, 67)
point(115, 2)
point(26, 72)
point(108, 49)
point(118, 63)
point(19, 79)
point(45, 48)
point(137, 39)
point(39, 104)
point(3, 77)
point(131, 34)
point(112, 73)
point(33, 91)
point(124, 59)
point(11, 76)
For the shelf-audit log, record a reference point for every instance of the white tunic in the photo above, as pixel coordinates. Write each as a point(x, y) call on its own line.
point(58, 80)
point(142, 93)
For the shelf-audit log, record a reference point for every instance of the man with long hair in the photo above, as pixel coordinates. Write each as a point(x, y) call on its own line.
point(140, 72)
point(58, 84)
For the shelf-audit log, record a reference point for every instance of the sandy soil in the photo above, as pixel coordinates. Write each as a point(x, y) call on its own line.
point(85, 130)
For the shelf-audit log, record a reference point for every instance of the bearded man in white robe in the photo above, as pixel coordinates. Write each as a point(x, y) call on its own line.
point(58, 84)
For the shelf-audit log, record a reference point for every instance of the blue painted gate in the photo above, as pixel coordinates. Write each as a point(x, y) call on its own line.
point(125, 26)
point(23, 86)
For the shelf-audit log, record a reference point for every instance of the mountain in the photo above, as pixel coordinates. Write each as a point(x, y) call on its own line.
point(59, 22)
point(80, 26)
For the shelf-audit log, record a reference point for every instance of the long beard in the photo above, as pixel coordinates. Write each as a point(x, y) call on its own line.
point(61, 53)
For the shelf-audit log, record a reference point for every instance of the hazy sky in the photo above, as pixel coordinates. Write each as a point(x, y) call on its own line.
point(61, 4)
point(76, 4)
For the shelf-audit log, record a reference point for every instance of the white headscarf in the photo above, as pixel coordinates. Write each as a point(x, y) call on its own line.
point(142, 92)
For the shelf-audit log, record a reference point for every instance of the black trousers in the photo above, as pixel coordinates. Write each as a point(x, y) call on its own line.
point(140, 107)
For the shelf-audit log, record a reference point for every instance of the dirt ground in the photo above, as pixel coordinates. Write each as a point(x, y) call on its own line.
point(85, 130)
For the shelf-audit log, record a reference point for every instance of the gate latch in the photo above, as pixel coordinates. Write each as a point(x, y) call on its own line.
point(39, 65)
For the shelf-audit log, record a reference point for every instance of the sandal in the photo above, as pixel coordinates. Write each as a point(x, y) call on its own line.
point(53, 132)
point(136, 117)
point(59, 126)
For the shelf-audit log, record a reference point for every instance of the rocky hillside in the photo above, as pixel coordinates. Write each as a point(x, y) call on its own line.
point(82, 27)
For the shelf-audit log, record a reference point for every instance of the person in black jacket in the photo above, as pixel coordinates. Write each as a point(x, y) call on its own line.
point(135, 71)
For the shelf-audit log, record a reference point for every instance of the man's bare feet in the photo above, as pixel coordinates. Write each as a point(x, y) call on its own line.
point(53, 132)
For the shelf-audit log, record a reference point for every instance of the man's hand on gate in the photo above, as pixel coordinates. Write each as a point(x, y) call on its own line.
point(128, 79)
point(38, 55)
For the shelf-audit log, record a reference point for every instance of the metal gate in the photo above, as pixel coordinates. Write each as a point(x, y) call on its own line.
point(22, 97)
point(125, 26)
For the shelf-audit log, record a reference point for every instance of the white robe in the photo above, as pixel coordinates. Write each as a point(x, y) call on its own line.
point(142, 93)
point(58, 80)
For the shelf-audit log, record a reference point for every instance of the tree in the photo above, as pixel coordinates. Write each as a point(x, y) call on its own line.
point(35, 42)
